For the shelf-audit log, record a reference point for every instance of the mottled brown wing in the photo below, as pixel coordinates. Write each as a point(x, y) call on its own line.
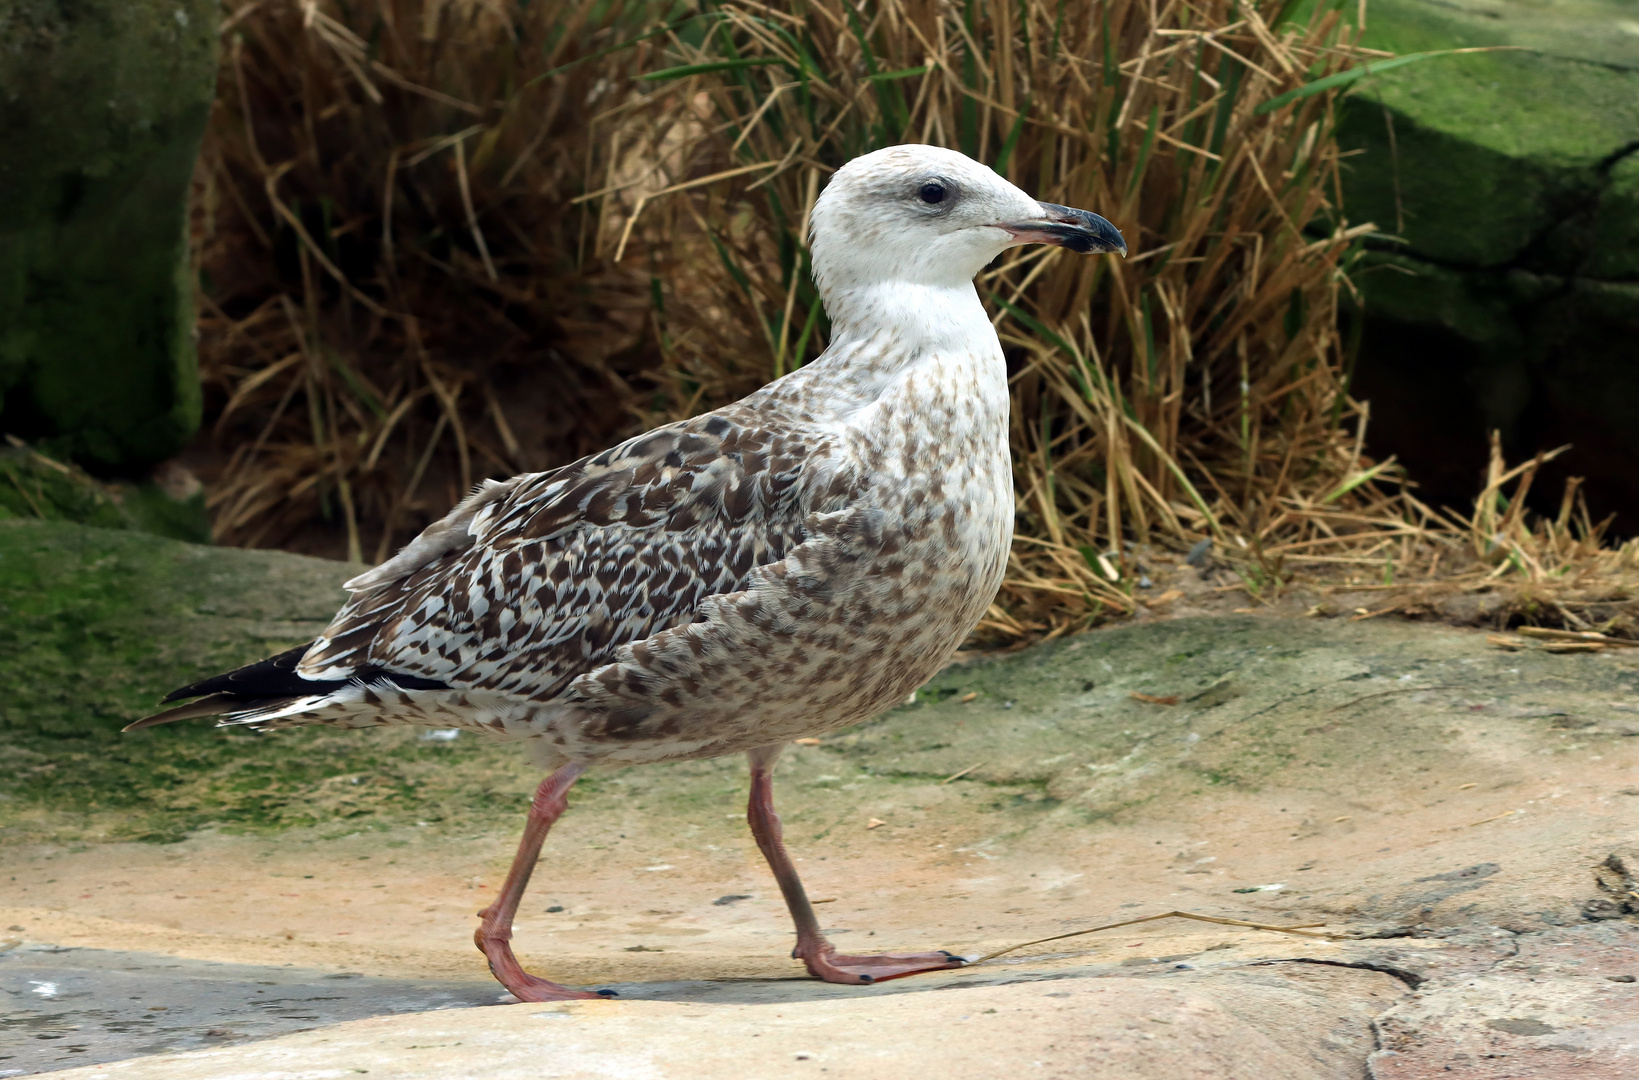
point(530, 583)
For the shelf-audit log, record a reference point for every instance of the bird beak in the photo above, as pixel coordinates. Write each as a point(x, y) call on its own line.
point(1067, 227)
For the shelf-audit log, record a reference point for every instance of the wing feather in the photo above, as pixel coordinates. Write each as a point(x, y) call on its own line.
point(533, 581)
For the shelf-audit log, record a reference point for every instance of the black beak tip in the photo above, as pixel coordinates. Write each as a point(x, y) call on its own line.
point(1102, 236)
point(1084, 233)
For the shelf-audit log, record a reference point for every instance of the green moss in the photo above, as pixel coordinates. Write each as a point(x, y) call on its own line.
point(1615, 247)
point(35, 486)
point(109, 97)
point(96, 625)
point(150, 509)
point(1473, 158)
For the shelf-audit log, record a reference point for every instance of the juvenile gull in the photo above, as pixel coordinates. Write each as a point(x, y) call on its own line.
point(781, 567)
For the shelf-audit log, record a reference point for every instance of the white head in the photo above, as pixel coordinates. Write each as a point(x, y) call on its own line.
point(924, 215)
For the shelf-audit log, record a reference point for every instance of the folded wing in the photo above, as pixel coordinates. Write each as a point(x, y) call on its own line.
point(533, 581)
point(560, 569)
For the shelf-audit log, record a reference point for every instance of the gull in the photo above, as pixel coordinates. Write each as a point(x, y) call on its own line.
point(784, 566)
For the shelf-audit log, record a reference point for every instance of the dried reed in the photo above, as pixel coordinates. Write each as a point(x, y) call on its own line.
point(449, 238)
point(1536, 570)
point(396, 300)
point(1193, 390)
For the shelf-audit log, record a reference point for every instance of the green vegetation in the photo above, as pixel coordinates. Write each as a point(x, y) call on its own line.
point(102, 107)
point(97, 625)
point(35, 486)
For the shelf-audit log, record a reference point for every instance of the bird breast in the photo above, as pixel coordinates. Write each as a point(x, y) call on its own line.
point(907, 535)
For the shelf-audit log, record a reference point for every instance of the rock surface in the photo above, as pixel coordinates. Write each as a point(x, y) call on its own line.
point(96, 302)
point(1211, 1026)
point(1463, 818)
point(1513, 179)
point(171, 503)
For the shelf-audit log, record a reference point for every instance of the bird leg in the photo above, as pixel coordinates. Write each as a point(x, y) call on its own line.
point(494, 934)
point(818, 954)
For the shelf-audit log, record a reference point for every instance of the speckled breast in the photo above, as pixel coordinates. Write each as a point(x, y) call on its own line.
point(863, 613)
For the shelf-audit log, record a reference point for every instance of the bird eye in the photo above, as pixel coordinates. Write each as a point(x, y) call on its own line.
point(931, 193)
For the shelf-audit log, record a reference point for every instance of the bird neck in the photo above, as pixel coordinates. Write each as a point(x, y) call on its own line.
point(921, 317)
point(882, 335)
point(910, 321)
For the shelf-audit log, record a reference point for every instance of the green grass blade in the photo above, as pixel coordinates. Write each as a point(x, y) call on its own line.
point(1012, 139)
point(1112, 70)
point(627, 44)
point(800, 350)
point(1152, 360)
point(1349, 77)
point(686, 70)
point(1355, 481)
point(360, 391)
point(1165, 458)
point(1032, 324)
point(903, 73)
point(1145, 148)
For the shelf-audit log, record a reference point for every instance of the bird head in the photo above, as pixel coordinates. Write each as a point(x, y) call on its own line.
point(930, 216)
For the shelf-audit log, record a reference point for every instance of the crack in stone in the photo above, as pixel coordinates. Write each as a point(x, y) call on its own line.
point(1410, 978)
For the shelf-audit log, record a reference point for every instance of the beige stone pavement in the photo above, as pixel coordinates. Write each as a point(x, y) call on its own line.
point(1069, 1028)
point(1453, 810)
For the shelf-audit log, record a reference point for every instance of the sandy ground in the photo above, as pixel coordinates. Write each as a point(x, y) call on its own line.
point(1444, 859)
point(399, 903)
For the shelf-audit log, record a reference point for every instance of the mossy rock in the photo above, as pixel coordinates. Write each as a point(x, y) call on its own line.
point(38, 487)
point(1508, 298)
point(109, 98)
point(97, 625)
point(1501, 159)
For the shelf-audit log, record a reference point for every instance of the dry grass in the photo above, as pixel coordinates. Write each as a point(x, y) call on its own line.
point(1502, 564)
point(397, 298)
point(453, 239)
point(1193, 390)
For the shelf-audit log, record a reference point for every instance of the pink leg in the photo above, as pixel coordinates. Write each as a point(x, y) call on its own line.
point(820, 957)
point(494, 935)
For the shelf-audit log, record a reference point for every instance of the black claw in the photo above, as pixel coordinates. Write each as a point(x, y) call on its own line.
point(867, 978)
point(947, 954)
point(608, 994)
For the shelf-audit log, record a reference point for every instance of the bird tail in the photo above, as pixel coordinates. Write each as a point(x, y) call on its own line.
point(254, 688)
point(270, 690)
point(214, 705)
